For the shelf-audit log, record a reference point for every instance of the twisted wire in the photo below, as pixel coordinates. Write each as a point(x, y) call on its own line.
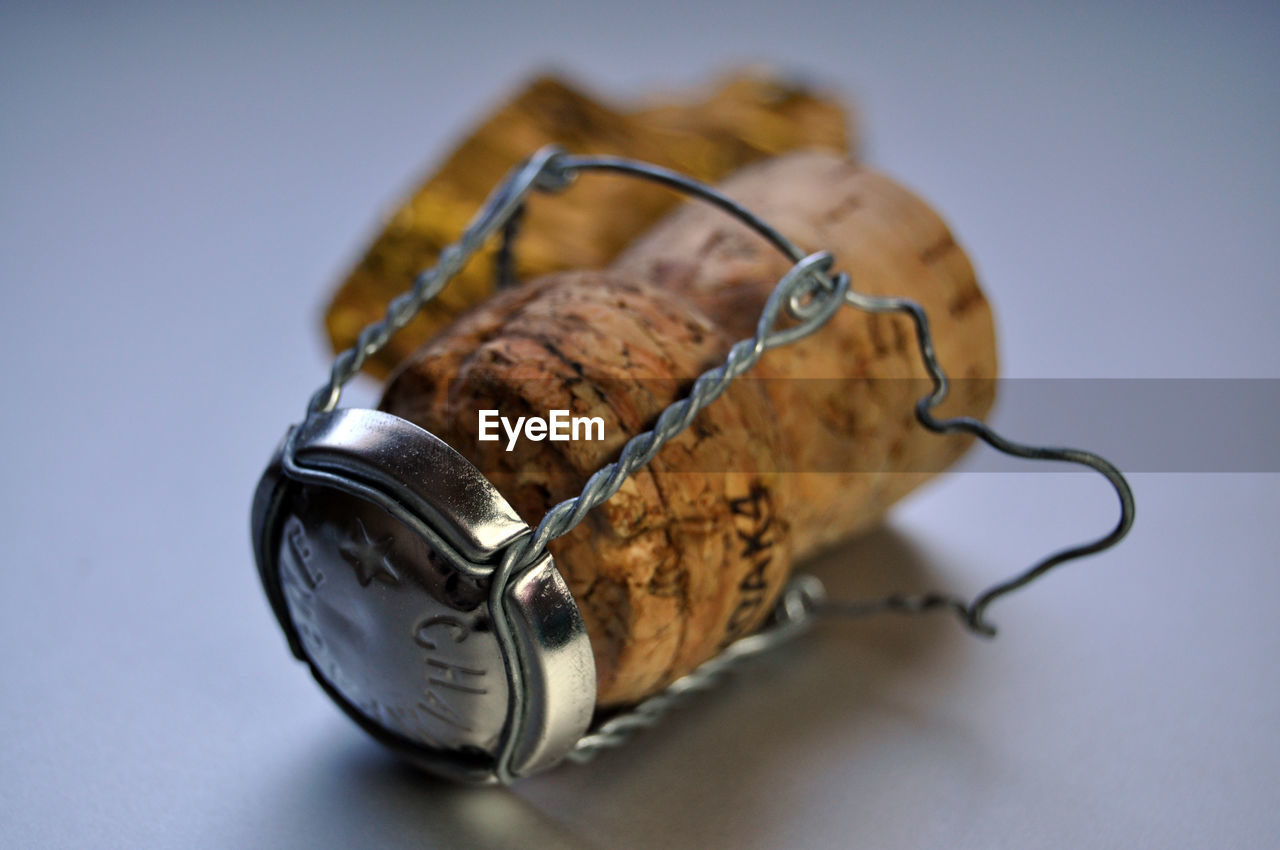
point(810, 295)
point(504, 262)
point(973, 613)
point(640, 449)
point(800, 601)
point(499, 210)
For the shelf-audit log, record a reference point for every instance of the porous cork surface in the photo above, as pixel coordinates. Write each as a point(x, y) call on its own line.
point(812, 447)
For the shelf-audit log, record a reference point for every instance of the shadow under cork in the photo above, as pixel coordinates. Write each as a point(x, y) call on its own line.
point(707, 775)
point(729, 767)
point(353, 793)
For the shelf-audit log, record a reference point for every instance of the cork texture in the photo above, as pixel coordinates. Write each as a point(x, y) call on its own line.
point(812, 447)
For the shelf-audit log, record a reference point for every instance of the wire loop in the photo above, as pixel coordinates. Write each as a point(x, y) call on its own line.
point(810, 295)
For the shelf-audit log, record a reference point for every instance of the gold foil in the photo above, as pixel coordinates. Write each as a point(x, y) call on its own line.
point(746, 117)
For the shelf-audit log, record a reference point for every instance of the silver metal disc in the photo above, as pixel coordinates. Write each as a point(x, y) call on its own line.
point(386, 621)
point(377, 546)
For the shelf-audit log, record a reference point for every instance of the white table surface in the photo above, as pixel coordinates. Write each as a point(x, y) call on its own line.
point(179, 188)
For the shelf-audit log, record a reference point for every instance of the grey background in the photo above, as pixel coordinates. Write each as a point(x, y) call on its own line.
point(179, 187)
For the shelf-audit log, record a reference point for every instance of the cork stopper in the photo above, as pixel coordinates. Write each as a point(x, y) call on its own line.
point(813, 446)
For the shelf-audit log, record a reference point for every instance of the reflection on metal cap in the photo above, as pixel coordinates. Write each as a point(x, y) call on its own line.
point(377, 545)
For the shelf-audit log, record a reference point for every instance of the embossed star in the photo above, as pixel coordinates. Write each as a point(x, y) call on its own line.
point(371, 559)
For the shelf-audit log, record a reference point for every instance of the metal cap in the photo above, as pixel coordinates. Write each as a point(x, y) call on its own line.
point(376, 543)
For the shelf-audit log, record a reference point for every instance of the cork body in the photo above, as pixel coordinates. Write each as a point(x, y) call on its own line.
point(811, 448)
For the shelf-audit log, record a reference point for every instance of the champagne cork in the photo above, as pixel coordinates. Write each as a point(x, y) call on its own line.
point(812, 446)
